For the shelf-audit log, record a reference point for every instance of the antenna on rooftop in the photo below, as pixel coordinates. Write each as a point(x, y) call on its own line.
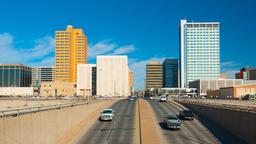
point(70, 21)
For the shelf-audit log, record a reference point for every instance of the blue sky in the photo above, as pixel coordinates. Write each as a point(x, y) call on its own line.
point(143, 29)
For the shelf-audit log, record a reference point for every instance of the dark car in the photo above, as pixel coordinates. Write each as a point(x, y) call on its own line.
point(172, 121)
point(248, 97)
point(186, 114)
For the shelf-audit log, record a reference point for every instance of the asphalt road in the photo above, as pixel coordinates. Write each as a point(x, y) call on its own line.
point(119, 131)
point(191, 132)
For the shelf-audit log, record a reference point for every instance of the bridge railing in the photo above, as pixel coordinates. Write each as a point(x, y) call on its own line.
point(219, 105)
point(34, 109)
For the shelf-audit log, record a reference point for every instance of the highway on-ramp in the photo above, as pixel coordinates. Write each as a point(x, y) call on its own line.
point(119, 131)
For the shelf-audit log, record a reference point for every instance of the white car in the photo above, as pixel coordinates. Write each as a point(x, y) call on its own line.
point(107, 115)
point(162, 99)
point(151, 97)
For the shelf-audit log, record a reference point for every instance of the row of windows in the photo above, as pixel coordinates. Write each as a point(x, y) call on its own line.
point(202, 51)
point(62, 57)
point(203, 72)
point(202, 54)
point(62, 38)
point(202, 29)
point(203, 57)
point(202, 40)
point(210, 36)
point(207, 64)
point(203, 65)
point(201, 43)
point(202, 68)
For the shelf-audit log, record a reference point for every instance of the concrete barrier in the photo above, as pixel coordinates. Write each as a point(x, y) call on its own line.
point(50, 127)
point(239, 123)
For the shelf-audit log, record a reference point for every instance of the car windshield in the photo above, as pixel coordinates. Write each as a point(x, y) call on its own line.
point(172, 117)
point(107, 111)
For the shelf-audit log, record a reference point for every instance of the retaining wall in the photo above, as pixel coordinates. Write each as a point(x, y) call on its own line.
point(240, 124)
point(54, 126)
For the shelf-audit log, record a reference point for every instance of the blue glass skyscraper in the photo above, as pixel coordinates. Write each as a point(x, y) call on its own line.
point(170, 73)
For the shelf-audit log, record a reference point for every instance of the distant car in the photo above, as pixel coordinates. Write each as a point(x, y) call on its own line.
point(134, 96)
point(131, 99)
point(162, 99)
point(202, 97)
point(248, 97)
point(186, 114)
point(151, 97)
point(172, 121)
point(107, 115)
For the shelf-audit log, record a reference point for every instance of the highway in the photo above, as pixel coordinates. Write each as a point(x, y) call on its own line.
point(119, 131)
point(191, 132)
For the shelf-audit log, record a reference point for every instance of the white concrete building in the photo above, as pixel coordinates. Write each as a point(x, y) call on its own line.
point(199, 51)
point(112, 76)
point(17, 91)
point(86, 79)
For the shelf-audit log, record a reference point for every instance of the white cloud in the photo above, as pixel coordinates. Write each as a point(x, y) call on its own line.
point(106, 47)
point(229, 63)
point(229, 66)
point(124, 49)
point(101, 47)
point(139, 70)
point(43, 48)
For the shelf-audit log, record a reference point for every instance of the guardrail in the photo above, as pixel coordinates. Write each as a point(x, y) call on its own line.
point(223, 106)
point(21, 111)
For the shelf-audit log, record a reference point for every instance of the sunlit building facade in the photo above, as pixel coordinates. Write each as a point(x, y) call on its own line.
point(199, 51)
point(112, 76)
point(86, 80)
point(71, 50)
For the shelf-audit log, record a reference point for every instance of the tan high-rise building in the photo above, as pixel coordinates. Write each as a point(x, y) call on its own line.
point(154, 75)
point(71, 50)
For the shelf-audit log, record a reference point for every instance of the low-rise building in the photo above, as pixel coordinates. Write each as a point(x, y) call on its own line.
point(17, 91)
point(247, 73)
point(236, 91)
point(15, 75)
point(203, 86)
point(57, 88)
